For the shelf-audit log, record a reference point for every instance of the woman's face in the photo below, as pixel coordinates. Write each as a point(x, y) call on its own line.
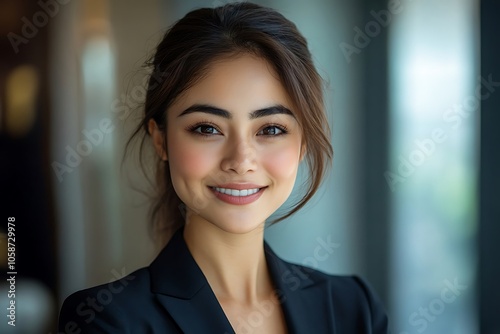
point(233, 145)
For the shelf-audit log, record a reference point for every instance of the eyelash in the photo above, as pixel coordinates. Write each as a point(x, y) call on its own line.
point(194, 127)
point(282, 128)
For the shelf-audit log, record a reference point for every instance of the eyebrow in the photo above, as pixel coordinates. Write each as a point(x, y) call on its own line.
point(206, 108)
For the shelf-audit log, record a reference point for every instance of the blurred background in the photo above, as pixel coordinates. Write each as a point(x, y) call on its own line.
point(411, 204)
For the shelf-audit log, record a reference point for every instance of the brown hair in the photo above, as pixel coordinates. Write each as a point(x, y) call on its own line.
point(208, 34)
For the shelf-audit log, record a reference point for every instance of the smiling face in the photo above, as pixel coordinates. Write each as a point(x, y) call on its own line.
point(233, 145)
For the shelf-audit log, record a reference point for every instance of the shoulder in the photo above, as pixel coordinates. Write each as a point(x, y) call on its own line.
point(353, 303)
point(354, 296)
point(351, 287)
point(106, 308)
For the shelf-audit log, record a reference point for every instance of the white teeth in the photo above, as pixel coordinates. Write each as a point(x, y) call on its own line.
point(237, 193)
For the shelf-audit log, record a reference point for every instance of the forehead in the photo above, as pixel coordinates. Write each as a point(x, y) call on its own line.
point(239, 84)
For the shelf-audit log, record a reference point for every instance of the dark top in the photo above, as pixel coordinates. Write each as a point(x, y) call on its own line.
point(173, 296)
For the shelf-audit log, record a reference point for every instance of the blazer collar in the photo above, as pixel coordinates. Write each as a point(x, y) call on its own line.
point(306, 303)
point(181, 287)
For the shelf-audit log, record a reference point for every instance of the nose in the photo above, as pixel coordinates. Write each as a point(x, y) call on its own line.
point(240, 157)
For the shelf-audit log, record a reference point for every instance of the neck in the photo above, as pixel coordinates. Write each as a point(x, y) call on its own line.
point(234, 264)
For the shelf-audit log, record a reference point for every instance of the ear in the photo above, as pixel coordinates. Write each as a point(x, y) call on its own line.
point(158, 138)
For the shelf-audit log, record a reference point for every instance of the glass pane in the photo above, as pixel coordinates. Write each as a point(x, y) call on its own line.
point(433, 166)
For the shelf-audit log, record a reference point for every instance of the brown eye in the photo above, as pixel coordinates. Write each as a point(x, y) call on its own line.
point(271, 131)
point(205, 129)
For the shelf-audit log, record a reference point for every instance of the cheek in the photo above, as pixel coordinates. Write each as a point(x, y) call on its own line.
point(282, 163)
point(188, 160)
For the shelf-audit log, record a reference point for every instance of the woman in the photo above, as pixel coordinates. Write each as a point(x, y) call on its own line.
point(237, 107)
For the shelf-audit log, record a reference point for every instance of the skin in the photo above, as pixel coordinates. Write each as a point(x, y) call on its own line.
point(226, 240)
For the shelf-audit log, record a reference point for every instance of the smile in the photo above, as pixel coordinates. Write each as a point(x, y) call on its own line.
point(237, 196)
point(236, 192)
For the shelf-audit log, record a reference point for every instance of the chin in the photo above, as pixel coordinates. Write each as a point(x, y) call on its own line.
point(241, 228)
point(238, 224)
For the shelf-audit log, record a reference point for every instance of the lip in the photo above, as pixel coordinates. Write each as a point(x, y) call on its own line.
point(238, 200)
point(239, 186)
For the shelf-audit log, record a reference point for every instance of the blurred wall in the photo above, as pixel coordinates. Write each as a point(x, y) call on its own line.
point(103, 222)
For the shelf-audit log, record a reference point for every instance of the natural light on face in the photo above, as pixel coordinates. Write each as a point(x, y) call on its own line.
point(234, 145)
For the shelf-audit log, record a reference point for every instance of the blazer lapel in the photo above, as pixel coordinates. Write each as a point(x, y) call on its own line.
point(182, 289)
point(306, 304)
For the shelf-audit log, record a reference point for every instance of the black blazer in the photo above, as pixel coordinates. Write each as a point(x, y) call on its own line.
point(173, 296)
